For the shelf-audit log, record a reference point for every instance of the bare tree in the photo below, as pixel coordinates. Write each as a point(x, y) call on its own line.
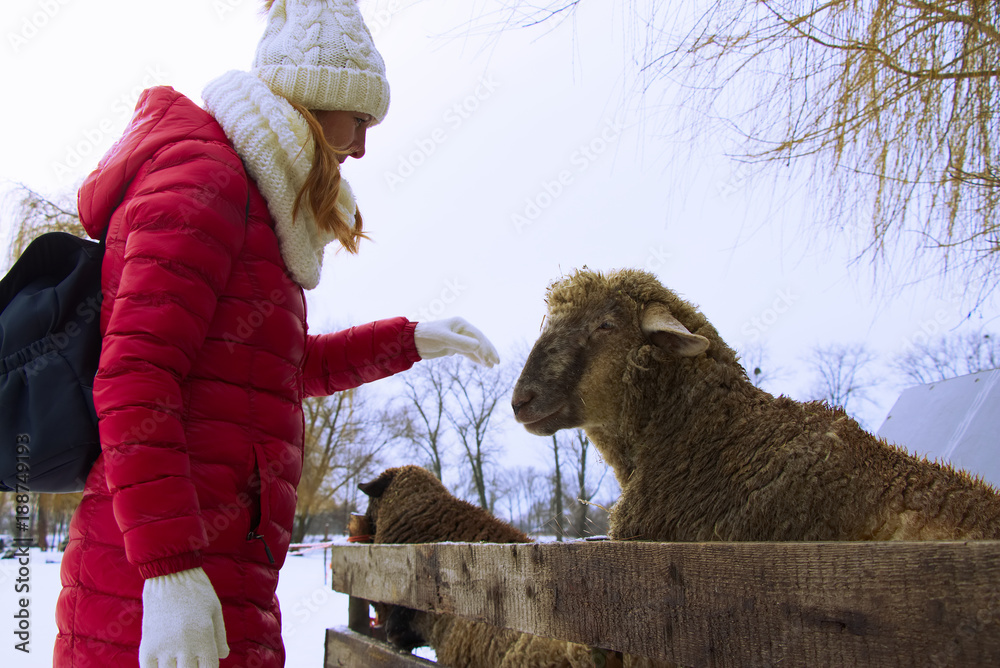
point(63, 506)
point(52, 515)
point(948, 357)
point(570, 498)
point(757, 362)
point(33, 214)
point(841, 373)
point(523, 492)
point(557, 491)
point(589, 480)
point(475, 392)
point(888, 107)
point(345, 434)
point(42, 508)
point(426, 389)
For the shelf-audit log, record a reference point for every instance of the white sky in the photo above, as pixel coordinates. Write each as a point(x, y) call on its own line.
point(539, 121)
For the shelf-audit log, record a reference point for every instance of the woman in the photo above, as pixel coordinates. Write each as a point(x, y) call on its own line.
point(216, 221)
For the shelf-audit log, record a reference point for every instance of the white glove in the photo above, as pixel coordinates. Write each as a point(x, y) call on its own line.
point(454, 335)
point(181, 622)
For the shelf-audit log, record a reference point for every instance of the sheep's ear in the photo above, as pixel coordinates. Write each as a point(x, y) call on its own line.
point(376, 488)
point(666, 332)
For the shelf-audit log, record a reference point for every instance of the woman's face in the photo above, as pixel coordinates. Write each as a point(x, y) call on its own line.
point(345, 130)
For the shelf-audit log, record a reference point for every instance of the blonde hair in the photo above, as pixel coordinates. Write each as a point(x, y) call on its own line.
point(322, 187)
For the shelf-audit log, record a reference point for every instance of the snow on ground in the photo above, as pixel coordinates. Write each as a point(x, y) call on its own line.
point(308, 607)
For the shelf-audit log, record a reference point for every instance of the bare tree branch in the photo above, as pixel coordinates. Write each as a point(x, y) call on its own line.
point(841, 374)
point(932, 360)
point(32, 214)
point(888, 109)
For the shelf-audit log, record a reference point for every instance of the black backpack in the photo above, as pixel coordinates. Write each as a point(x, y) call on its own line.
point(50, 342)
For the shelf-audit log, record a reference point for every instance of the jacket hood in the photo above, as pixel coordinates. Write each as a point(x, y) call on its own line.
point(162, 116)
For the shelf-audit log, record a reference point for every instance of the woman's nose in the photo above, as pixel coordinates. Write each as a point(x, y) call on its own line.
point(359, 146)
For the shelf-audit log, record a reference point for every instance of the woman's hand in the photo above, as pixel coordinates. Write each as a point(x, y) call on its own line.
point(181, 622)
point(454, 335)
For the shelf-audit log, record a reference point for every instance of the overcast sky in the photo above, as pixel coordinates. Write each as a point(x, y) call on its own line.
point(505, 160)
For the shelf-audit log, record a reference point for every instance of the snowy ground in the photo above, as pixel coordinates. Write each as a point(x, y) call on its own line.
point(308, 607)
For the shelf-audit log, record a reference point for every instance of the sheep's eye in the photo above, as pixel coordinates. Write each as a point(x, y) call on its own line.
point(605, 325)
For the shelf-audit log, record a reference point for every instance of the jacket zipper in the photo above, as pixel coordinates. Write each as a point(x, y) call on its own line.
point(267, 550)
point(265, 507)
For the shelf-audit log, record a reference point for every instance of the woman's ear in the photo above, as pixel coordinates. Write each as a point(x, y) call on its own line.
point(666, 332)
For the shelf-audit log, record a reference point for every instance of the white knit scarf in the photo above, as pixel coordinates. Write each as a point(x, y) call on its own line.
point(276, 147)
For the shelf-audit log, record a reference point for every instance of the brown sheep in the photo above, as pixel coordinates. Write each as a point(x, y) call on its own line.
point(409, 505)
point(700, 453)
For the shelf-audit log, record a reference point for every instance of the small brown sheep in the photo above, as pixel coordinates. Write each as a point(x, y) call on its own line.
point(702, 454)
point(409, 505)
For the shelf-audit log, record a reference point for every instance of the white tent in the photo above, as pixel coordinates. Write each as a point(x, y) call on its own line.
point(955, 421)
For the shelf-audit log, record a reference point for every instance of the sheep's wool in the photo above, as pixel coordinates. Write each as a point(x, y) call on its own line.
point(275, 145)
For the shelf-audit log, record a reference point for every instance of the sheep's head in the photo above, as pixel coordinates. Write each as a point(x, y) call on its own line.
point(595, 325)
point(397, 621)
point(404, 504)
point(408, 504)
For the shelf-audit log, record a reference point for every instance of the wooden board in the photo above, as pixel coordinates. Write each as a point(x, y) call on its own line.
point(710, 604)
point(347, 648)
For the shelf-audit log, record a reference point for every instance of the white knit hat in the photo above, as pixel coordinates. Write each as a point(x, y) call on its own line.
point(320, 54)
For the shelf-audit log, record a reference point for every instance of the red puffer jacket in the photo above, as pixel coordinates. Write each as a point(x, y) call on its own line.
point(204, 366)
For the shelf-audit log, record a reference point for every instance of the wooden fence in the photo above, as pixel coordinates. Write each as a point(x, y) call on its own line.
point(698, 604)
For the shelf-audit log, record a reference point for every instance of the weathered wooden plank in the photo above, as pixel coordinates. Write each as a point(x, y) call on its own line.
point(345, 647)
point(711, 604)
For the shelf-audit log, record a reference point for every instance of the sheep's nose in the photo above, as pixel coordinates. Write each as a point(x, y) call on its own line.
point(520, 399)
